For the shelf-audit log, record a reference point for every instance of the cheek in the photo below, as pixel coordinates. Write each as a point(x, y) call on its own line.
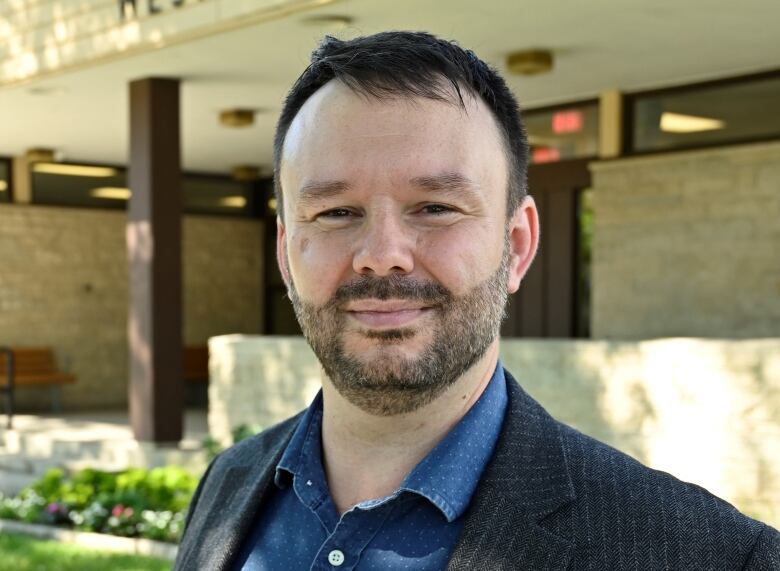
point(317, 264)
point(459, 258)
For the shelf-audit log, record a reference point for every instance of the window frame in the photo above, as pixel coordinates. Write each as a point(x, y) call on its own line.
point(630, 100)
point(525, 113)
point(10, 190)
point(124, 169)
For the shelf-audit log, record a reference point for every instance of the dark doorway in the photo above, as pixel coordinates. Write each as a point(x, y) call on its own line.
point(279, 315)
point(553, 299)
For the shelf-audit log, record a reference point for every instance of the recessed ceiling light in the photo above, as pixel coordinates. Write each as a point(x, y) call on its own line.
point(681, 123)
point(237, 117)
point(328, 21)
point(245, 173)
point(530, 62)
point(42, 155)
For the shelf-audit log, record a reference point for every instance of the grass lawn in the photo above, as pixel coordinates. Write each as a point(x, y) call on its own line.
point(21, 553)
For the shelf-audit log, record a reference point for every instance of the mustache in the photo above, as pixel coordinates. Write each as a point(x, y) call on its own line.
point(391, 287)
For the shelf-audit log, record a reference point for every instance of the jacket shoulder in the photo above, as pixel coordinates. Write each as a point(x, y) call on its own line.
point(261, 445)
point(633, 513)
point(257, 453)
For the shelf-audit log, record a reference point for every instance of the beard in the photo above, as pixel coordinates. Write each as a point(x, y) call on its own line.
point(390, 384)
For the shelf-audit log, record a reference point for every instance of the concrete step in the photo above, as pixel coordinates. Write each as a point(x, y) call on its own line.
point(11, 483)
point(100, 441)
point(18, 470)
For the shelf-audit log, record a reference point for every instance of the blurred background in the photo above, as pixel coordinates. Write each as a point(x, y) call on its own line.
point(139, 291)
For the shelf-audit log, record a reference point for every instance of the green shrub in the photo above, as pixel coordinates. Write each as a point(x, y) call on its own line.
point(131, 503)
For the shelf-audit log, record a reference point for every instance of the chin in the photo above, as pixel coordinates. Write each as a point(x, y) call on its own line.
point(366, 346)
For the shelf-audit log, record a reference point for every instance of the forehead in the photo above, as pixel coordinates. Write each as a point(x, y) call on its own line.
point(342, 135)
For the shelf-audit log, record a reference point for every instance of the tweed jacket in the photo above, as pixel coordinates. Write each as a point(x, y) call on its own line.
point(551, 498)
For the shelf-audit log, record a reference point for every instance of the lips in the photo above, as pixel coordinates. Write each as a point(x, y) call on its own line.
point(385, 314)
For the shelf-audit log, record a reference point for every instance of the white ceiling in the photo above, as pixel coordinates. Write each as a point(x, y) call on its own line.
point(598, 45)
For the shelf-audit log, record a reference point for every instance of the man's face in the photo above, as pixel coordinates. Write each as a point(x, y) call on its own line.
point(395, 244)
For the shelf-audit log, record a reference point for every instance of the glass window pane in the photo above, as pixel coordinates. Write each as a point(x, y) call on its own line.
point(216, 195)
point(707, 115)
point(5, 180)
point(79, 185)
point(106, 187)
point(563, 133)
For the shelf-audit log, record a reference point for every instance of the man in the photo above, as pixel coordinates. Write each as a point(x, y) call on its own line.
point(403, 225)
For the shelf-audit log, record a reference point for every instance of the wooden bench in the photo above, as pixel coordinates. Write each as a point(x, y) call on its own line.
point(30, 367)
point(195, 371)
point(195, 363)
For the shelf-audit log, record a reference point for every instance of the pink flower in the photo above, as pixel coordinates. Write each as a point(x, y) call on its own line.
point(117, 511)
point(53, 508)
point(129, 512)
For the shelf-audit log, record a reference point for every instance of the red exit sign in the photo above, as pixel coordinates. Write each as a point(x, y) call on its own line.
point(570, 121)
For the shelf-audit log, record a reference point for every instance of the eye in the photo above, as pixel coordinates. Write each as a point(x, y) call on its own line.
point(335, 213)
point(436, 209)
point(336, 217)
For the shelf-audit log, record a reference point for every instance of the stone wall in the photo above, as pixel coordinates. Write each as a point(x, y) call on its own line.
point(688, 244)
point(705, 410)
point(63, 284)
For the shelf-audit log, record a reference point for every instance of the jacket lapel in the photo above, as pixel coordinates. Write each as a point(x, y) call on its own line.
point(526, 481)
point(215, 537)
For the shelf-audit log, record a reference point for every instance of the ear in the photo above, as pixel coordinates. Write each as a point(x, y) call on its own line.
point(281, 251)
point(523, 242)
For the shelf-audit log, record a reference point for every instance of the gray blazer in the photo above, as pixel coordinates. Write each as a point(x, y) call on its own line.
point(550, 499)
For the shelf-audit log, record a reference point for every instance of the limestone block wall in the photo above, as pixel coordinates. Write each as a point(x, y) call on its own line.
point(705, 410)
point(63, 284)
point(258, 380)
point(688, 244)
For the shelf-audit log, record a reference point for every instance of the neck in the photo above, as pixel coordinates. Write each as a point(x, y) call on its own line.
point(367, 457)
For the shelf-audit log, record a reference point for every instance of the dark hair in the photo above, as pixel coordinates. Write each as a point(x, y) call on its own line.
point(414, 64)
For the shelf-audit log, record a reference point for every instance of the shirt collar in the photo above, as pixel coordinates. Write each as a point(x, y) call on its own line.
point(447, 476)
point(305, 443)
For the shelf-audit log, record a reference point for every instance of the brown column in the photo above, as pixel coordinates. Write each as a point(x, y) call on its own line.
point(154, 253)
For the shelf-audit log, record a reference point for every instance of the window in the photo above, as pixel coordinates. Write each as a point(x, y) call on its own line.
point(563, 133)
point(65, 184)
point(5, 180)
point(101, 186)
point(731, 111)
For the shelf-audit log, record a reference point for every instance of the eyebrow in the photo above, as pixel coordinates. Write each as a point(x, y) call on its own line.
point(321, 189)
point(445, 182)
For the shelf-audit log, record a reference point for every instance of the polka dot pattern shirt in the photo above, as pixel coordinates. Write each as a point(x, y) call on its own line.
point(414, 528)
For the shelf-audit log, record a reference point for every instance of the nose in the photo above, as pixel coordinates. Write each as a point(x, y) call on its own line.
point(385, 247)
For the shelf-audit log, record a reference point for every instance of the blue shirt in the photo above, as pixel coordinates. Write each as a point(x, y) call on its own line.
point(414, 528)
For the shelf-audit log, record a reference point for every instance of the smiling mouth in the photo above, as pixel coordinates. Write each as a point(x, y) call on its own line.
point(385, 315)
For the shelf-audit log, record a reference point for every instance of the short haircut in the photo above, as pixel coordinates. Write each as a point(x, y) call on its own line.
point(411, 64)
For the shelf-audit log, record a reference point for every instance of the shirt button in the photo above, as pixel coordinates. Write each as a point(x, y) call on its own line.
point(336, 557)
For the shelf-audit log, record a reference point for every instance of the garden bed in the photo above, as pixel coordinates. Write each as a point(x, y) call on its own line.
point(133, 504)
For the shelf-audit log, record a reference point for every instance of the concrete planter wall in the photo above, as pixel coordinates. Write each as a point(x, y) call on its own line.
point(705, 410)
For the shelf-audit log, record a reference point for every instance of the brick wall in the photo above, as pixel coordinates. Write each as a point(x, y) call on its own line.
point(688, 244)
point(703, 410)
point(63, 284)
